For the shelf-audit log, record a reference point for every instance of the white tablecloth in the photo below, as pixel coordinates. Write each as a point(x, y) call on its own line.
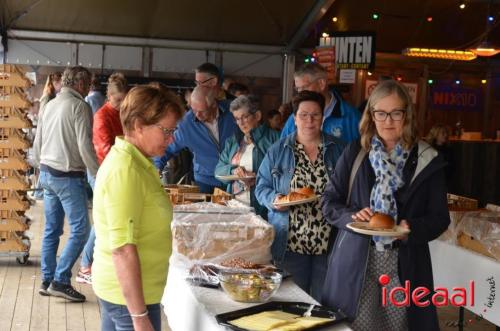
point(454, 266)
point(192, 308)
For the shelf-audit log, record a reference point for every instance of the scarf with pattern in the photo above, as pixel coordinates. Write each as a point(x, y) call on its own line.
point(388, 169)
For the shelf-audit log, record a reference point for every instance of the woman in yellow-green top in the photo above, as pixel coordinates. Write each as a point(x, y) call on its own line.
point(132, 214)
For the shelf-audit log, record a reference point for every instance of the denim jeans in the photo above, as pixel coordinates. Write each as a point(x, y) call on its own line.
point(63, 196)
point(117, 317)
point(308, 271)
point(88, 251)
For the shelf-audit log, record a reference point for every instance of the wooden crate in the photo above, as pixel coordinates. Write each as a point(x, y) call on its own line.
point(457, 202)
point(11, 242)
point(13, 97)
point(11, 75)
point(13, 138)
point(11, 117)
point(221, 196)
point(12, 159)
point(13, 224)
point(185, 198)
point(11, 200)
point(12, 180)
point(176, 189)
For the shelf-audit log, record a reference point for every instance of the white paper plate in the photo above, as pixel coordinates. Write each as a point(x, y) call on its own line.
point(297, 202)
point(233, 177)
point(364, 228)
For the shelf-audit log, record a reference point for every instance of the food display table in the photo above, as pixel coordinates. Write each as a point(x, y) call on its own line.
point(193, 308)
point(454, 266)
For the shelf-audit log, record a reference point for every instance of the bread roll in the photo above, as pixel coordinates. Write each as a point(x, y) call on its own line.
point(307, 191)
point(298, 194)
point(381, 221)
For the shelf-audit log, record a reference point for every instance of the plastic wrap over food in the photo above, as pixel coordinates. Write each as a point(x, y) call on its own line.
point(483, 227)
point(215, 237)
point(230, 207)
point(451, 234)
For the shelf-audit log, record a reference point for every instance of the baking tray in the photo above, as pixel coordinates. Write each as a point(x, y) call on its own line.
point(290, 307)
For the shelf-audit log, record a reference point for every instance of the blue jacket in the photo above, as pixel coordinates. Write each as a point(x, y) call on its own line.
point(264, 138)
point(274, 177)
point(194, 135)
point(421, 201)
point(341, 122)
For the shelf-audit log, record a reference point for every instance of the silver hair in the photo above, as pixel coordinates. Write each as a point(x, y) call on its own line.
point(315, 70)
point(73, 75)
point(209, 94)
point(248, 102)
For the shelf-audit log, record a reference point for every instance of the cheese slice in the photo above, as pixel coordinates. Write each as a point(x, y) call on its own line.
point(302, 323)
point(264, 321)
point(278, 321)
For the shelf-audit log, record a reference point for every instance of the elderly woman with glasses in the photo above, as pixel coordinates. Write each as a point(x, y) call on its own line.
point(388, 171)
point(245, 150)
point(302, 159)
point(132, 214)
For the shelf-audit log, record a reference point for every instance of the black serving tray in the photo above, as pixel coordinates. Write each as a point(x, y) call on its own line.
point(290, 307)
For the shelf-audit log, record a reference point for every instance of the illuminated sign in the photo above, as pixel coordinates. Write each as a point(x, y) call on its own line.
point(353, 50)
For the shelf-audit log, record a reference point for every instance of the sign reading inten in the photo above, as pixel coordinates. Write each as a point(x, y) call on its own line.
point(353, 50)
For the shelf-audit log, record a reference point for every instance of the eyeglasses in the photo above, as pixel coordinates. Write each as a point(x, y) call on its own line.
point(243, 118)
point(312, 116)
point(395, 115)
point(166, 132)
point(198, 83)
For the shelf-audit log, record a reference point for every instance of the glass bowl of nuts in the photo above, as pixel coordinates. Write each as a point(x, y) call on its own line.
point(250, 286)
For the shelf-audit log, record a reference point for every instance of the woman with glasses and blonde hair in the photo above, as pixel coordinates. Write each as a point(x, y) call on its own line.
point(132, 214)
point(244, 151)
point(302, 159)
point(388, 171)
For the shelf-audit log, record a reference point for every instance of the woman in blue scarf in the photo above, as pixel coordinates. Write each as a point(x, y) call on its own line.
point(395, 174)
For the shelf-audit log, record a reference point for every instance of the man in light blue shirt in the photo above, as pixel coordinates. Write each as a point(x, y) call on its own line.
point(340, 119)
point(95, 98)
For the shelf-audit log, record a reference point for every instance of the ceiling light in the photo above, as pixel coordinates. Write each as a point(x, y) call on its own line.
point(485, 49)
point(483, 81)
point(462, 5)
point(491, 18)
point(335, 19)
point(375, 16)
point(430, 81)
point(444, 54)
point(457, 82)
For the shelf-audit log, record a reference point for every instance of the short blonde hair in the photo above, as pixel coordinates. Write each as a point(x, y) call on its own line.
point(434, 133)
point(117, 83)
point(148, 105)
point(367, 127)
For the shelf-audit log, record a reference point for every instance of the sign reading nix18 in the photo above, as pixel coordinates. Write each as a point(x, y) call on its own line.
point(353, 50)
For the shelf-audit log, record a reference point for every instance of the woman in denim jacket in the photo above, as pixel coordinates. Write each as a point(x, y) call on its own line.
point(244, 151)
point(303, 159)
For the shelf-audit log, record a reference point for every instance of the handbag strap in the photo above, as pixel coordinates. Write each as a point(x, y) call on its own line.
point(355, 167)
